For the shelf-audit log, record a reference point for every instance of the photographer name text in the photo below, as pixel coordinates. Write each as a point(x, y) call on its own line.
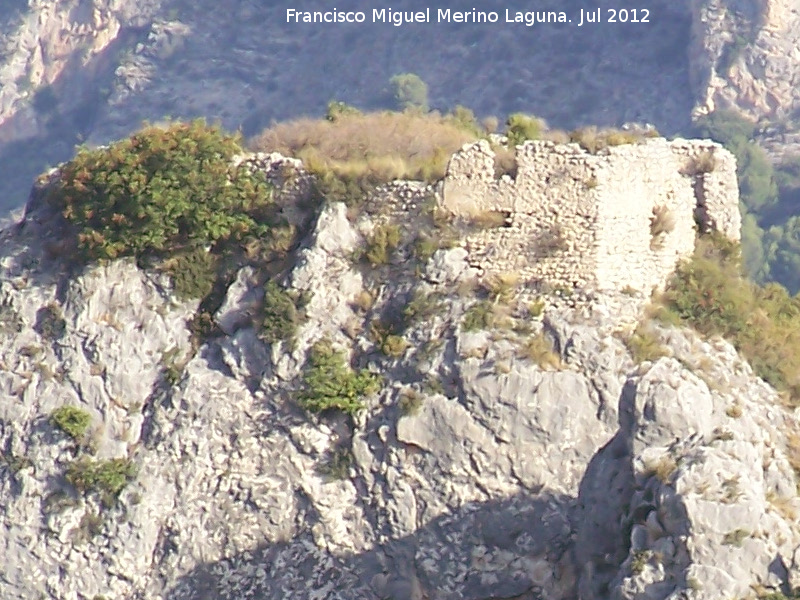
point(529, 18)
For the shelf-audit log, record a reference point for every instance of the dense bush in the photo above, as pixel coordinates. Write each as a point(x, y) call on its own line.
point(381, 244)
point(330, 383)
point(161, 190)
point(711, 295)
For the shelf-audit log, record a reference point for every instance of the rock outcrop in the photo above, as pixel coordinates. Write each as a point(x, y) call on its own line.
point(476, 472)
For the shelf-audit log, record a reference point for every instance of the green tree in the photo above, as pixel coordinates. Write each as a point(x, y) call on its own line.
point(409, 91)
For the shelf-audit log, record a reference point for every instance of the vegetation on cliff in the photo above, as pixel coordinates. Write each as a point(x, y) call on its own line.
point(712, 295)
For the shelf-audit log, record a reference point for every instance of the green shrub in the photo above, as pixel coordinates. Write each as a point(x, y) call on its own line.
point(171, 367)
point(465, 119)
point(330, 383)
point(10, 321)
point(479, 316)
point(338, 109)
point(521, 128)
point(50, 323)
point(159, 191)
point(280, 315)
point(193, 273)
point(383, 241)
point(410, 402)
point(107, 477)
point(409, 91)
point(422, 307)
point(72, 420)
point(338, 463)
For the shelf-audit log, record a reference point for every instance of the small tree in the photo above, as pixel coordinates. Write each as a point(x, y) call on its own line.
point(409, 91)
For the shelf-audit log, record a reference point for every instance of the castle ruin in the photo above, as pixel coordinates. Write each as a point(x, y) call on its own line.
point(621, 218)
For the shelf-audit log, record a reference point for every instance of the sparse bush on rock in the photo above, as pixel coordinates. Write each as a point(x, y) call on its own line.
point(330, 383)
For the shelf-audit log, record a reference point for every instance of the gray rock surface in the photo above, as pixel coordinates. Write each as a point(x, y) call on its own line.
point(474, 473)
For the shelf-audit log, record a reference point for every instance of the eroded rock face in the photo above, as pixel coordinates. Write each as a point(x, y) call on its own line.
point(744, 56)
point(474, 473)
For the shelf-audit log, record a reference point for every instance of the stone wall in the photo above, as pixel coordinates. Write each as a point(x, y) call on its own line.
point(620, 218)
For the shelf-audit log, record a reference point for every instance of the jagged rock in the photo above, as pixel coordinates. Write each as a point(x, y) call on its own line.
point(448, 266)
point(475, 473)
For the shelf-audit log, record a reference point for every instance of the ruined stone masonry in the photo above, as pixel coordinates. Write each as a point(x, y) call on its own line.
point(620, 218)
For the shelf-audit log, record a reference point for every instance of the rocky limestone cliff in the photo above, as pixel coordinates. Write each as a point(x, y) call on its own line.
point(474, 473)
point(744, 56)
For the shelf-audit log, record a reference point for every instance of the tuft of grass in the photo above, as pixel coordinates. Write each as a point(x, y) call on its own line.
point(639, 561)
point(338, 463)
point(645, 346)
point(536, 308)
point(10, 321)
point(410, 402)
point(663, 469)
point(73, 421)
point(489, 219)
point(501, 287)
point(705, 162)
point(539, 349)
point(735, 537)
point(661, 223)
point(422, 307)
point(330, 383)
point(171, 366)
point(106, 477)
point(551, 240)
point(593, 140)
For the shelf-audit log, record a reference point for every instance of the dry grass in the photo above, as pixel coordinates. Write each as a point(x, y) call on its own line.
point(644, 345)
point(593, 140)
point(502, 287)
point(539, 349)
point(489, 219)
point(664, 468)
point(392, 145)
